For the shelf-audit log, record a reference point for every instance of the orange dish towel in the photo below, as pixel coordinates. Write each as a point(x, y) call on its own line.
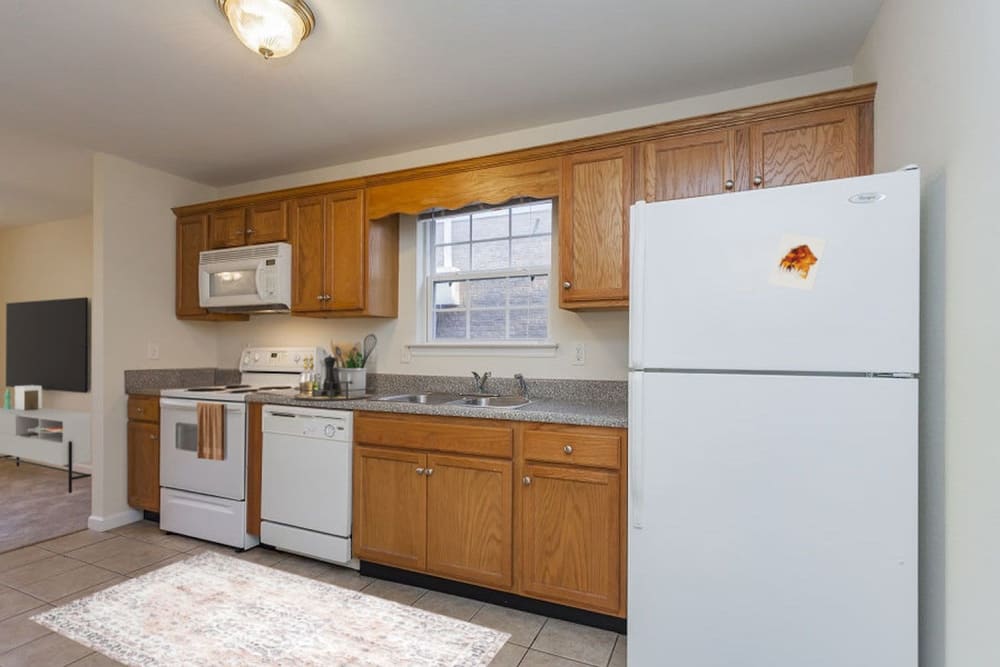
point(212, 431)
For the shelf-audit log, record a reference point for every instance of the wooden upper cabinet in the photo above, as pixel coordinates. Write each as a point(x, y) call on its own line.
point(308, 231)
point(806, 147)
point(569, 528)
point(345, 250)
point(595, 195)
point(342, 263)
point(227, 227)
point(267, 223)
point(192, 238)
point(390, 507)
point(469, 519)
point(692, 165)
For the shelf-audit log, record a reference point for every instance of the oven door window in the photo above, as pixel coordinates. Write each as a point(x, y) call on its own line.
point(232, 283)
point(186, 437)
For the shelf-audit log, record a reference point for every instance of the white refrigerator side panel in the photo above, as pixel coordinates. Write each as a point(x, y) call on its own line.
point(713, 294)
point(779, 522)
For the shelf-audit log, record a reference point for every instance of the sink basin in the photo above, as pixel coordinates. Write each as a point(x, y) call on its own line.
point(432, 398)
point(472, 401)
point(495, 401)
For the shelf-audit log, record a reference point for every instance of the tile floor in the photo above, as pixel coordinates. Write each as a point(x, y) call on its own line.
point(54, 572)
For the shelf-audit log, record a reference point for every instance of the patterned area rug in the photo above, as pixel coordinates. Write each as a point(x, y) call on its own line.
point(215, 610)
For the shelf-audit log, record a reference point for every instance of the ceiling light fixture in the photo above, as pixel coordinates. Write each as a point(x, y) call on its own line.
point(272, 28)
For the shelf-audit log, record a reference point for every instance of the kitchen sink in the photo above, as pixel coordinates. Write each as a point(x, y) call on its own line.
point(472, 400)
point(432, 398)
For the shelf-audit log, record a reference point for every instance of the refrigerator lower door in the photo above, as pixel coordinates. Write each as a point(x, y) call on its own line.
point(777, 521)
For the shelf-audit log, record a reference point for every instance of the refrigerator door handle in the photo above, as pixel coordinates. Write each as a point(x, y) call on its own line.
point(637, 282)
point(636, 443)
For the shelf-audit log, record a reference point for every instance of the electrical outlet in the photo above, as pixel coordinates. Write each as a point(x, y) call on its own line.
point(405, 355)
point(152, 350)
point(579, 354)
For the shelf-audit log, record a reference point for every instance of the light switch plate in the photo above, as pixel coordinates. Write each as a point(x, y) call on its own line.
point(152, 350)
point(405, 355)
point(579, 354)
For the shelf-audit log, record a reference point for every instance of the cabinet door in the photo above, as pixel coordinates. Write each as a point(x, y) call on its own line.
point(806, 147)
point(595, 196)
point(390, 507)
point(345, 269)
point(308, 254)
point(144, 466)
point(267, 223)
point(691, 165)
point(227, 227)
point(192, 238)
point(469, 520)
point(569, 519)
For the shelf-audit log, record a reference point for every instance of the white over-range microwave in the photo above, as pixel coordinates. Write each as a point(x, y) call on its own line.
point(253, 278)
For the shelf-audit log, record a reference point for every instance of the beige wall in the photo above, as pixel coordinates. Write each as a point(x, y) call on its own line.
point(51, 260)
point(939, 89)
point(134, 305)
point(605, 335)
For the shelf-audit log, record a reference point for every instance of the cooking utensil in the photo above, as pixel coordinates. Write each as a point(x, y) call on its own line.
point(371, 340)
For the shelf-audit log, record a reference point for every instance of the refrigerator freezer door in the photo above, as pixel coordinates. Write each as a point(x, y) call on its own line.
point(779, 522)
point(815, 277)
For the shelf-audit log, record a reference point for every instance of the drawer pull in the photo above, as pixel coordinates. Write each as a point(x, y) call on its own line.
point(567, 449)
point(138, 409)
point(526, 480)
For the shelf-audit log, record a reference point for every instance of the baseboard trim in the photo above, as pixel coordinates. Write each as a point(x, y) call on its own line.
point(106, 523)
point(496, 597)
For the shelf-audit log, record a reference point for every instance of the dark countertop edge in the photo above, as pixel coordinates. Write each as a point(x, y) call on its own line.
point(543, 411)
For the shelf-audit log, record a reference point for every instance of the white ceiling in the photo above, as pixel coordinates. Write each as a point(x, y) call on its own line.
point(167, 84)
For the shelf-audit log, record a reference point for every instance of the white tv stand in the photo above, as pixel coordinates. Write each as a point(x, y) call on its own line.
point(51, 437)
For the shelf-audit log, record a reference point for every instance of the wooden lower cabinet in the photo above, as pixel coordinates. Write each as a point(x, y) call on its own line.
point(143, 447)
point(469, 519)
point(390, 507)
point(544, 518)
point(570, 521)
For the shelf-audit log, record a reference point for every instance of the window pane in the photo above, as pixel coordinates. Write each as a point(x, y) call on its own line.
point(531, 219)
point(488, 293)
point(488, 324)
point(451, 230)
point(529, 292)
point(449, 324)
point(451, 294)
point(528, 324)
point(531, 251)
point(490, 224)
point(451, 258)
point(490, 255)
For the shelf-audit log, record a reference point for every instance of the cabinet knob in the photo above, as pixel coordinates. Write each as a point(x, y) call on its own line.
point(730, 184)
point(152, 436)
point(526, 480)
point(757, 180)
point(249, 231)
point(138, 409)
point(327, 297)
point(567, 284)
point(429, 472)
point(567, 449)
point(420, 471)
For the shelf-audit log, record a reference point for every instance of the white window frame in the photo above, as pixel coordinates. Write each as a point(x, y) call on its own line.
point(427, 345)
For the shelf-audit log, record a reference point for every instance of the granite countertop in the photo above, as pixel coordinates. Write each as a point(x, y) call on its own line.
point(581, 413)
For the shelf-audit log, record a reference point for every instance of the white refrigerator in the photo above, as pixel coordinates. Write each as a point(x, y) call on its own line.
point(773, 360)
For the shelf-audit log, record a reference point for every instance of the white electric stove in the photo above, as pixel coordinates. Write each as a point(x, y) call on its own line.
point(205, 498)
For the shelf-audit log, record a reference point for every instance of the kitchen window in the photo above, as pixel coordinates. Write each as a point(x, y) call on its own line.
point(487, 277)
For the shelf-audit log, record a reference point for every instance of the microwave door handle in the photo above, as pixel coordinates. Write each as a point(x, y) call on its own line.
point(258, 275)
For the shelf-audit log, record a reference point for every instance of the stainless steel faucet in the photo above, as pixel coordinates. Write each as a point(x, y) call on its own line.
point(481, 380)
point(522, 386)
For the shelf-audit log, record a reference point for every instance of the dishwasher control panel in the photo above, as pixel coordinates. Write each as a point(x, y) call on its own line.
point(313, 423)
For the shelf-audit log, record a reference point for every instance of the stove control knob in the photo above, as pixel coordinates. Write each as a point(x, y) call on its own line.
point(256, 357)
point(298, 358)
point(246, 358)
point(330, 430)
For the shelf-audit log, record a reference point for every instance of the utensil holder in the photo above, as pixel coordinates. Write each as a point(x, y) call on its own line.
point(353, 381)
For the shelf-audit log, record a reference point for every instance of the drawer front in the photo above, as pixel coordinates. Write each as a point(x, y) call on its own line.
point(144, 408)
point(576, 447)
point(454, 435)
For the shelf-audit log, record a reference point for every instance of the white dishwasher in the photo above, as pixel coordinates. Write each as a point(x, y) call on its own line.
point(306, 482)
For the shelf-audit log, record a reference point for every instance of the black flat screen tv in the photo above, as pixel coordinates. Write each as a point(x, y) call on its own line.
point(48, 343)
